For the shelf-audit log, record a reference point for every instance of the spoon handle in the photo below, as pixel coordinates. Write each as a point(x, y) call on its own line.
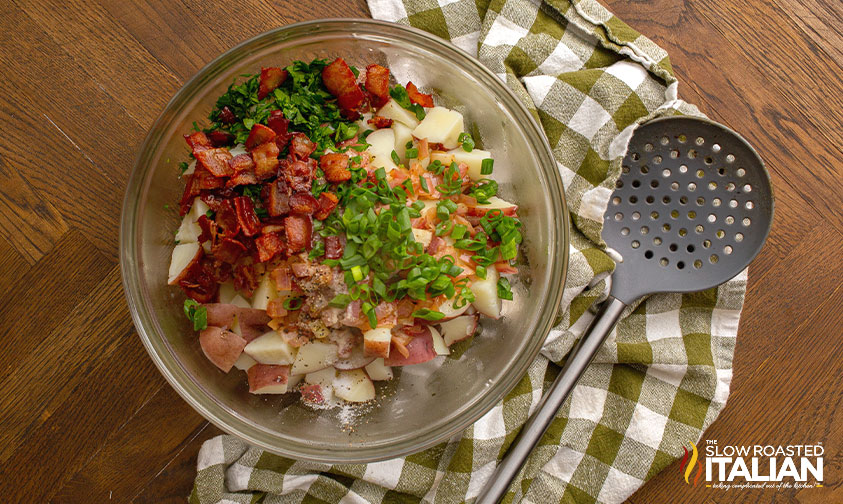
point(537, 424)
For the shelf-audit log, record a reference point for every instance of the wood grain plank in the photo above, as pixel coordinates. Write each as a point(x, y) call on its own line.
point(30, 223)
point(38, 302)
point(83, 193)
point(118, 65)
point(46, 369)
point(173, 484)
point(115, 387)
point(820, 20)
point(150, 440)
point(769, 39)
point(12, 265)
point(38, 74)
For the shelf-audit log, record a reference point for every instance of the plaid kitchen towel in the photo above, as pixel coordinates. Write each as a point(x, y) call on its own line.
point(663, 375)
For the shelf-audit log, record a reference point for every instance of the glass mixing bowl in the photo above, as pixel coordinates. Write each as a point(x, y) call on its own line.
point(427, 403)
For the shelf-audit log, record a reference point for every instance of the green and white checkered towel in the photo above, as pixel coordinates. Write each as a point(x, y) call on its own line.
point(663, 375)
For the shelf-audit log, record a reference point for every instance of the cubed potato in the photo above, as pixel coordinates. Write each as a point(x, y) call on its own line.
point(439, 345)
point(422, 236)
point(268, 379)
point(264, 293)
point(403, 134)
point(271, 348)
point(378, 371)
point(313, 356)
point(376, 341)
point(485, 291)
point(473, 159)
point(354, 386)
point(392, 110)
point(221, 346)
point(184, 256)
point(381, 144)
point(458, 329)
point(441, 125)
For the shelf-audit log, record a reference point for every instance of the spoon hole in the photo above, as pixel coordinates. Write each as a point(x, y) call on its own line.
point(663, 261)
point(730, 158)
point(648, 254)
point(715, 148)
point(714, 258)
point(697, 264)
point(680, 265)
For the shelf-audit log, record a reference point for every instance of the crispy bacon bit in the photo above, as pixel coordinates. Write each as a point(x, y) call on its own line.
point(327, 202)
point(334, 246)
point(335, 167)
point(220, 138)
point(387, 313)
point(199, 284)
point(377, 84)
point(301, 146)
point(299, 231)
point(245, 279)
point(281, 277)
point(280, 126)
point(227, 220)
point(208, 227)
point(191, 190)
point(303, 203)
point(424, 150)
point(275, 308)
point(505, 267)
point(198, 142)
point(271, 78)
point(205, 179)
point(228, 250)
point(227, 116)
point(299, 174)
point(259, 135)
point(434, 245)
point(269, 245)
point(244, 171)
point(405, 310)
point(271, 228)
point(215, 161)
point(416, 96)
point(340, 82)
point(380, 122)
point(276, 198)
point(249, 222)
point(266, 160)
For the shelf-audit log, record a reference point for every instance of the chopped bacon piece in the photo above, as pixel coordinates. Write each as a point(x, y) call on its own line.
point(249, 222)
point(243, 167)
point(405, 310)
point(386, 313)
point(327, 202)
point(269, 245)
point(380, 122)
point(280, 125)
point(245, 279)
point(377, 84)
point(416, 96)
point(299, 174)
point(191, 190)
point(505, 268)
point(226, 219)
point(275, 308)
point(276, 199)
point(340, 82)
point(215, 161)
point(259, 135)
point(266, 160)
point(208, 227)
point(303, 203)
point(220, 138)
point(281, 277)
point(198, 142)
point(334, 246)
point(205, 179)
point(312, 394)
point(301, 146)
point(299, 232)
point(271, 78)
point(199, 284)
point(335, 167)
point(424, 150)
point(227, 116)
point(271, 228)
point(228, 250)
point(435, 244)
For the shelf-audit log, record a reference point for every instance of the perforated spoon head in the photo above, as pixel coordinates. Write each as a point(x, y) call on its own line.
point(690, 211)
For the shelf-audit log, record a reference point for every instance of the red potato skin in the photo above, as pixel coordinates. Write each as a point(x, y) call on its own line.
point(262, 375)
point(222, 347)
point(312, 394)
point(376, 348)
point(420, 348)
point(192, 264)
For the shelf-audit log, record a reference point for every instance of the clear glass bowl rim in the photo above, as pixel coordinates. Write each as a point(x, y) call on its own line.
point(234, 424)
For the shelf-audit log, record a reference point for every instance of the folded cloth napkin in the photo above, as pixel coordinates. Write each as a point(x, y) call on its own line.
point(663, 375)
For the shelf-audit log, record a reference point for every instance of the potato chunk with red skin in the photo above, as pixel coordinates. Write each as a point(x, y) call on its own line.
point(417, 97)
point(215, 161)
point(327, 202)
point(377, 84)
point(299, 230)
point(246, 216)
point(266, 160)
point(420, 350)
point(271, 78)
point(221, 346)
point(259, 135)
point(269, 245)
point(265, 377)
point(340, 82)
point(335, 167)
point(303, 203)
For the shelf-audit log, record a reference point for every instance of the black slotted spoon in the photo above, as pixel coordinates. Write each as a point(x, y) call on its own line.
point(691, 210)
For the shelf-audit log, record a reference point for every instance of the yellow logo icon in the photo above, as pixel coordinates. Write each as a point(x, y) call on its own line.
point(687, 466)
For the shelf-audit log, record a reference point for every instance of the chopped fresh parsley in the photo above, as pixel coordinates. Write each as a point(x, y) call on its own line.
point(400, 95)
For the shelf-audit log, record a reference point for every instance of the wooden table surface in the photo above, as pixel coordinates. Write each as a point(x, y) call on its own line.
point(84, 414)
